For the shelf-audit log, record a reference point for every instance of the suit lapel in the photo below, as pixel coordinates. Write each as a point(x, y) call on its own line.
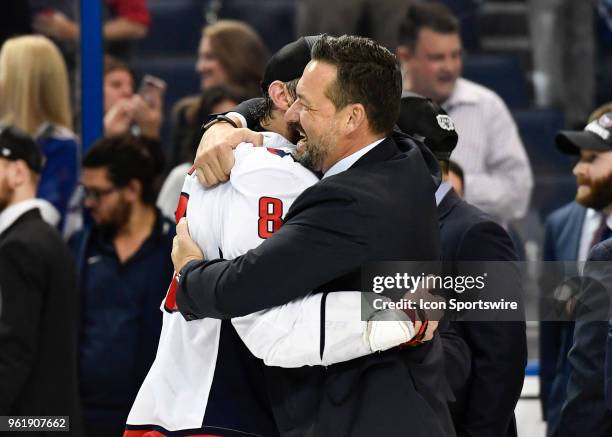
point(386, 150)
point(574, 224)
point(447, 204)
point(33, 213)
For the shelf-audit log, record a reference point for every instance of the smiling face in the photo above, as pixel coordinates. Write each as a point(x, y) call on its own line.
point(315, 117)
point(212, 73)
point(594, 179)
point(435, 64)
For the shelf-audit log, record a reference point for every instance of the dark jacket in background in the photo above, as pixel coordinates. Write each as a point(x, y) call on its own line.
point(585, 411)
point(562, 233)
point(484, 407)
point(120, 318)
point(38, 323)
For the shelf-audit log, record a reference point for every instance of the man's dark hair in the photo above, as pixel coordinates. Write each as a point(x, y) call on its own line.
point(127, 157)
point(367, 73)
point(434, 16)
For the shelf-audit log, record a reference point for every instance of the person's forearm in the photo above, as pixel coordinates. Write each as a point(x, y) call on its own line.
point(272, 274)
point(121, 28)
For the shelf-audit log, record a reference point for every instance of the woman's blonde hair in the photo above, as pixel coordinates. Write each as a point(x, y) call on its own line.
point(33, 84)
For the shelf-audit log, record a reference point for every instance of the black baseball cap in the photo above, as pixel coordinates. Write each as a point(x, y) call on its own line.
point(289, 62)
point(423, 117)
point(597, 135)
point(16, 144)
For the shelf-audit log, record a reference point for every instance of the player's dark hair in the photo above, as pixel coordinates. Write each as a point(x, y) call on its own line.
point(434, 16)
point(367, 73)
point(127, 157)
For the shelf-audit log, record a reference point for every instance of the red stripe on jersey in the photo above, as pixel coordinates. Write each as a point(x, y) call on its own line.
point(145, 433)
point(191, 170)
point(170, 303)
point(181, 208)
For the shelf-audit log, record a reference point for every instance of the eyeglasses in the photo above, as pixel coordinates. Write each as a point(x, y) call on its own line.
point(95, 194)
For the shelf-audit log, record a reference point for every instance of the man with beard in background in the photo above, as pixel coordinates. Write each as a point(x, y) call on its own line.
point(570, 233)
point(584, 410)
point(123, 265)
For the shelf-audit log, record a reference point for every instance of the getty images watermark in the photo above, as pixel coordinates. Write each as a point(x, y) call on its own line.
point(425, 291)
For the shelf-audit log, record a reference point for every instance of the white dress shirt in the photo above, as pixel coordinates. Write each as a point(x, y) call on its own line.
point(13, 212)
point(498, 176)
point(348, 161)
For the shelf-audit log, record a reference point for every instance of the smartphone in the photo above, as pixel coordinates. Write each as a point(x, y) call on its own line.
point(151, 87)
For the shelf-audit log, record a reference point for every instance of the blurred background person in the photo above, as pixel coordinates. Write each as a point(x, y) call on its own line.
point(570, 233)
point(490, 150)
point(124, 265)
point(125, 21)
point(375, 19)
point(231, 54)
point(216, 99)
point(126, 111)
point(38, 295)
point(35, 98)
point(562, 31)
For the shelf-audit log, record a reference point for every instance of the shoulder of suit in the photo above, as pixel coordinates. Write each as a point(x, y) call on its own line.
point(472, 220)
point(32, 231)
point(602, 251)
point(561, 214)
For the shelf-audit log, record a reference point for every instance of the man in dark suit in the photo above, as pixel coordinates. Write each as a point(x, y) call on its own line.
point(603, 252)
point(584, 410)
point(38, 296)
point(347, 104)
point(569, 234)
point(485, 405)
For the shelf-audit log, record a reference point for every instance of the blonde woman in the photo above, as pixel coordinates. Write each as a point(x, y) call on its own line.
point(34, 97)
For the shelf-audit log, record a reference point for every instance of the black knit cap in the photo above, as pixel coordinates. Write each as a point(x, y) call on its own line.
point(423, 117)
point(289, 62)
point(16, 144)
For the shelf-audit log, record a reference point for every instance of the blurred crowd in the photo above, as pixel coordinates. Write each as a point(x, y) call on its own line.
point(113, 202)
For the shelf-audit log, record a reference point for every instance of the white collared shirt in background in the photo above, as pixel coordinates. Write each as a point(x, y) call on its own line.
point(498, 176)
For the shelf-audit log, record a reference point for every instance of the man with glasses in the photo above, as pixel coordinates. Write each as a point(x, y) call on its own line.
point(124, 268)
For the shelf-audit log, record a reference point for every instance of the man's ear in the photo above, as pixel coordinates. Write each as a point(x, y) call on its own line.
point(134, 190)
point(404, 54)
point(355, 117)
point(278, 93)
point(18, 173)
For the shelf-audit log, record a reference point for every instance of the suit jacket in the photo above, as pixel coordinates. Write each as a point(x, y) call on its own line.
point(382, 208)
point(603, 251)
point(585, 411)
point(562, 234)
point(38, 323)
point(485, 405)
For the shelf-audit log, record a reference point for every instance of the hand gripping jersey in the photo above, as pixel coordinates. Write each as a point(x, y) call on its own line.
point(226, 221)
